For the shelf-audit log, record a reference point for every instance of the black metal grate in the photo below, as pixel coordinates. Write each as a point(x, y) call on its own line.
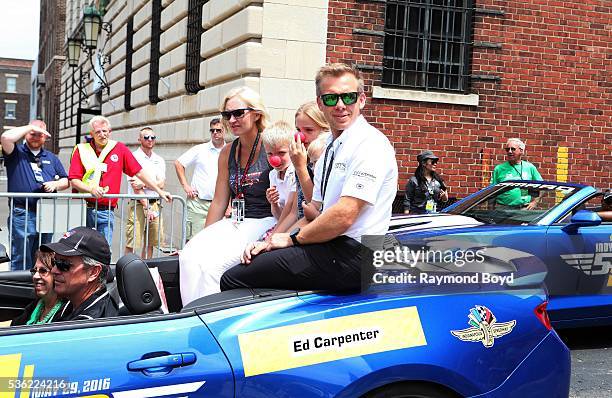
point(129, 52)
point(427, 44)
point(194, 38)
point(155, 52)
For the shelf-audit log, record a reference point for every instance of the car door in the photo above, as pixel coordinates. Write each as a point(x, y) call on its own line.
point(145, 356)
point(582, 259)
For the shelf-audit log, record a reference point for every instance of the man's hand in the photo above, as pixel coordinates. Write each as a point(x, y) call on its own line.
point(50, 186)
point(98, 192)
point(272, 195)
point(36, 129)
point(532, 205)
point(151, 214)
point(136, 184)
point(190, 191)
point(165, 195)
point(251, 250)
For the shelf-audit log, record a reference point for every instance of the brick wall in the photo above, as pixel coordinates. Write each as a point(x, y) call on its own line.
point(554, 91)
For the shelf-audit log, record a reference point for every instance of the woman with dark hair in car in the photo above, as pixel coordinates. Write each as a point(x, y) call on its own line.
point(425, 191)
point(46, 306)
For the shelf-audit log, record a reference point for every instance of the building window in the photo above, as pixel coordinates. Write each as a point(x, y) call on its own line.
point(129, 38)
point(10, 110)
point(427, 44)
point(194, 34)
point(11, 84)
point(155, 52)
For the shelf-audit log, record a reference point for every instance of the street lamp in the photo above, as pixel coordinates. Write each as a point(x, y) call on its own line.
point(91, 27)
point(74, 52)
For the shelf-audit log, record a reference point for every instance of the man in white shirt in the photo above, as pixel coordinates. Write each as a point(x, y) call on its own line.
point(147, 230)
point(355, 183)
point(205, 158)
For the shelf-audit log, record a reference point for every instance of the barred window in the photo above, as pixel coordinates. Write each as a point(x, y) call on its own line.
point(155, 52)
point(427, 44)
point(129, 52)
point(193, 57)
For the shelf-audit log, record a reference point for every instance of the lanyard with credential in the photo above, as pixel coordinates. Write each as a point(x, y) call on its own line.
point(326, 171)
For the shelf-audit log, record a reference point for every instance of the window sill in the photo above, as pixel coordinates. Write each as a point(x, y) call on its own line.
point(422, 96)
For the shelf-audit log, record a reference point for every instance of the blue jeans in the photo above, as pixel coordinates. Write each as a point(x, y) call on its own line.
point(103, 221)
point(22, 239)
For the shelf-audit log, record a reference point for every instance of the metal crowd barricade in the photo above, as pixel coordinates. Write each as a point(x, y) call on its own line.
point(57, 213)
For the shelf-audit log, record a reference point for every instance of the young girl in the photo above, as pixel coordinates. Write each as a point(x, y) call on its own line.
point(242, 179)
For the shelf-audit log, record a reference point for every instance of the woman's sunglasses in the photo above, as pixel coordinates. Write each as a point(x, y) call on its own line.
point(42, 271)
point(62, 265)
point(236, 113)
point(332, 99)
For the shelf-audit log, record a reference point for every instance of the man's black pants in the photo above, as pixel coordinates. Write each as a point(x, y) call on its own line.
point(333, 265)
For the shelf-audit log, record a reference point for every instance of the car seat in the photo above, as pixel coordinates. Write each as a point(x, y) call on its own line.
point(136, 286)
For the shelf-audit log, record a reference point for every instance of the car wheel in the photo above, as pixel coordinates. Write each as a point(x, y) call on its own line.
point(411, 390)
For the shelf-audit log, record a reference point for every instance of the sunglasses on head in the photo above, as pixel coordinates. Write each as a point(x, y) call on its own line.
point(42, 271)
point(62, 265)
point(332, 99)
point(149, 137)
point(236, 113)
point(212, 131)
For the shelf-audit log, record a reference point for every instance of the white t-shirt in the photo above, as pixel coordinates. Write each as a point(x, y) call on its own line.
point(284, 186)
point(364, 167)
point(206, 159)
point(155, 165)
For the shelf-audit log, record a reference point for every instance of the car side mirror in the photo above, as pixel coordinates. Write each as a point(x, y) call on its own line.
point(4, 258)
point(583, 218)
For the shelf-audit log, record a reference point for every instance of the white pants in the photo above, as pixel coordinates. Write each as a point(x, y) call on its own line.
point(213, 251)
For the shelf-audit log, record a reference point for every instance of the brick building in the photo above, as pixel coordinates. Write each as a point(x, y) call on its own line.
point(14, 92)
point(50, 60)
point(455, 76)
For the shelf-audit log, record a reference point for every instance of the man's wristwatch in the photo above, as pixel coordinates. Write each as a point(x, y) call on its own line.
point(294, 238)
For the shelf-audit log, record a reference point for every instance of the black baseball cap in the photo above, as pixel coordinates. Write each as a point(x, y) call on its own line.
point(423, 156)
point(81, 241)
point(607, 198)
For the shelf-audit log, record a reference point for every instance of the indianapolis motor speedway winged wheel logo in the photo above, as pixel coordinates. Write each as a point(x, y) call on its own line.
point(484, 327)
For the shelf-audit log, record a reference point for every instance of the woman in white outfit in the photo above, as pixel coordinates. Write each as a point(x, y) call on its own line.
point(242, 182)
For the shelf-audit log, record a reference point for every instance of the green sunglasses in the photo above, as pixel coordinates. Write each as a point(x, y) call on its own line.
point(347, 98)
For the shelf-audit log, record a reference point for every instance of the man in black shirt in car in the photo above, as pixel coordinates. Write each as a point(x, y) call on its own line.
point(82, 258)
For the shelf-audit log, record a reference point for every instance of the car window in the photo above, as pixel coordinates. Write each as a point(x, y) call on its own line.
point(592, 203)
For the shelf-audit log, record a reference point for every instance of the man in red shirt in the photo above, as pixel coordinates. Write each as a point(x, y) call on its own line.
point(97, 168)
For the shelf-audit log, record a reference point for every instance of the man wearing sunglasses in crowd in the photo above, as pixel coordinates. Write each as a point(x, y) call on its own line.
point(515, 168)
point(147, 229)
point(30, 168)
point(353, 189)
point(82, 258)
point(201, 190)
point(96, 167)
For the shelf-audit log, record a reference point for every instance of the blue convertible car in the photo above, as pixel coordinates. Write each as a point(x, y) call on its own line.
point(564, 232)
point(420, 342)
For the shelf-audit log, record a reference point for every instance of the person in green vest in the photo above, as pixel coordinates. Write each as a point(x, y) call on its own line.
point(97, 168)
point(515, 168)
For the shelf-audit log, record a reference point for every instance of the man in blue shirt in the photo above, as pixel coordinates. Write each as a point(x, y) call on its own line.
point(31, 169)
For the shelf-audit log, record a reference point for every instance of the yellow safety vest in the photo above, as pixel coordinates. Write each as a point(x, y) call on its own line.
point(92, 162)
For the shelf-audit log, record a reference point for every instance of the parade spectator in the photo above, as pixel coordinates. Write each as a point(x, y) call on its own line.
point(46, 305)
point(82, 258)
point(515, 168)
point(30, 168)
point(425, 191)
point(200, 192)
point(96, 167)
point(355, 189)
point(243, 178)
point(147, 230)
point(605, 211)
point(276, 140)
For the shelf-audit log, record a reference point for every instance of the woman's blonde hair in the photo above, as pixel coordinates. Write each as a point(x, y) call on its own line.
point(253, 100)
point(317, 146)
point(311, 109)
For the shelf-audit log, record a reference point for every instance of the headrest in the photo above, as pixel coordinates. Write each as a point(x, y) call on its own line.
point(136, 286)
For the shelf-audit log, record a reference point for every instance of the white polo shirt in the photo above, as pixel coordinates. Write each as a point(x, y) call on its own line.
point(284, 186)
point(364, 167)
point(205, 157)
point(154, 165)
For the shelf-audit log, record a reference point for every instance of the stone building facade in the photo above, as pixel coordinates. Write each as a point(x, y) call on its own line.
point(458, 77)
